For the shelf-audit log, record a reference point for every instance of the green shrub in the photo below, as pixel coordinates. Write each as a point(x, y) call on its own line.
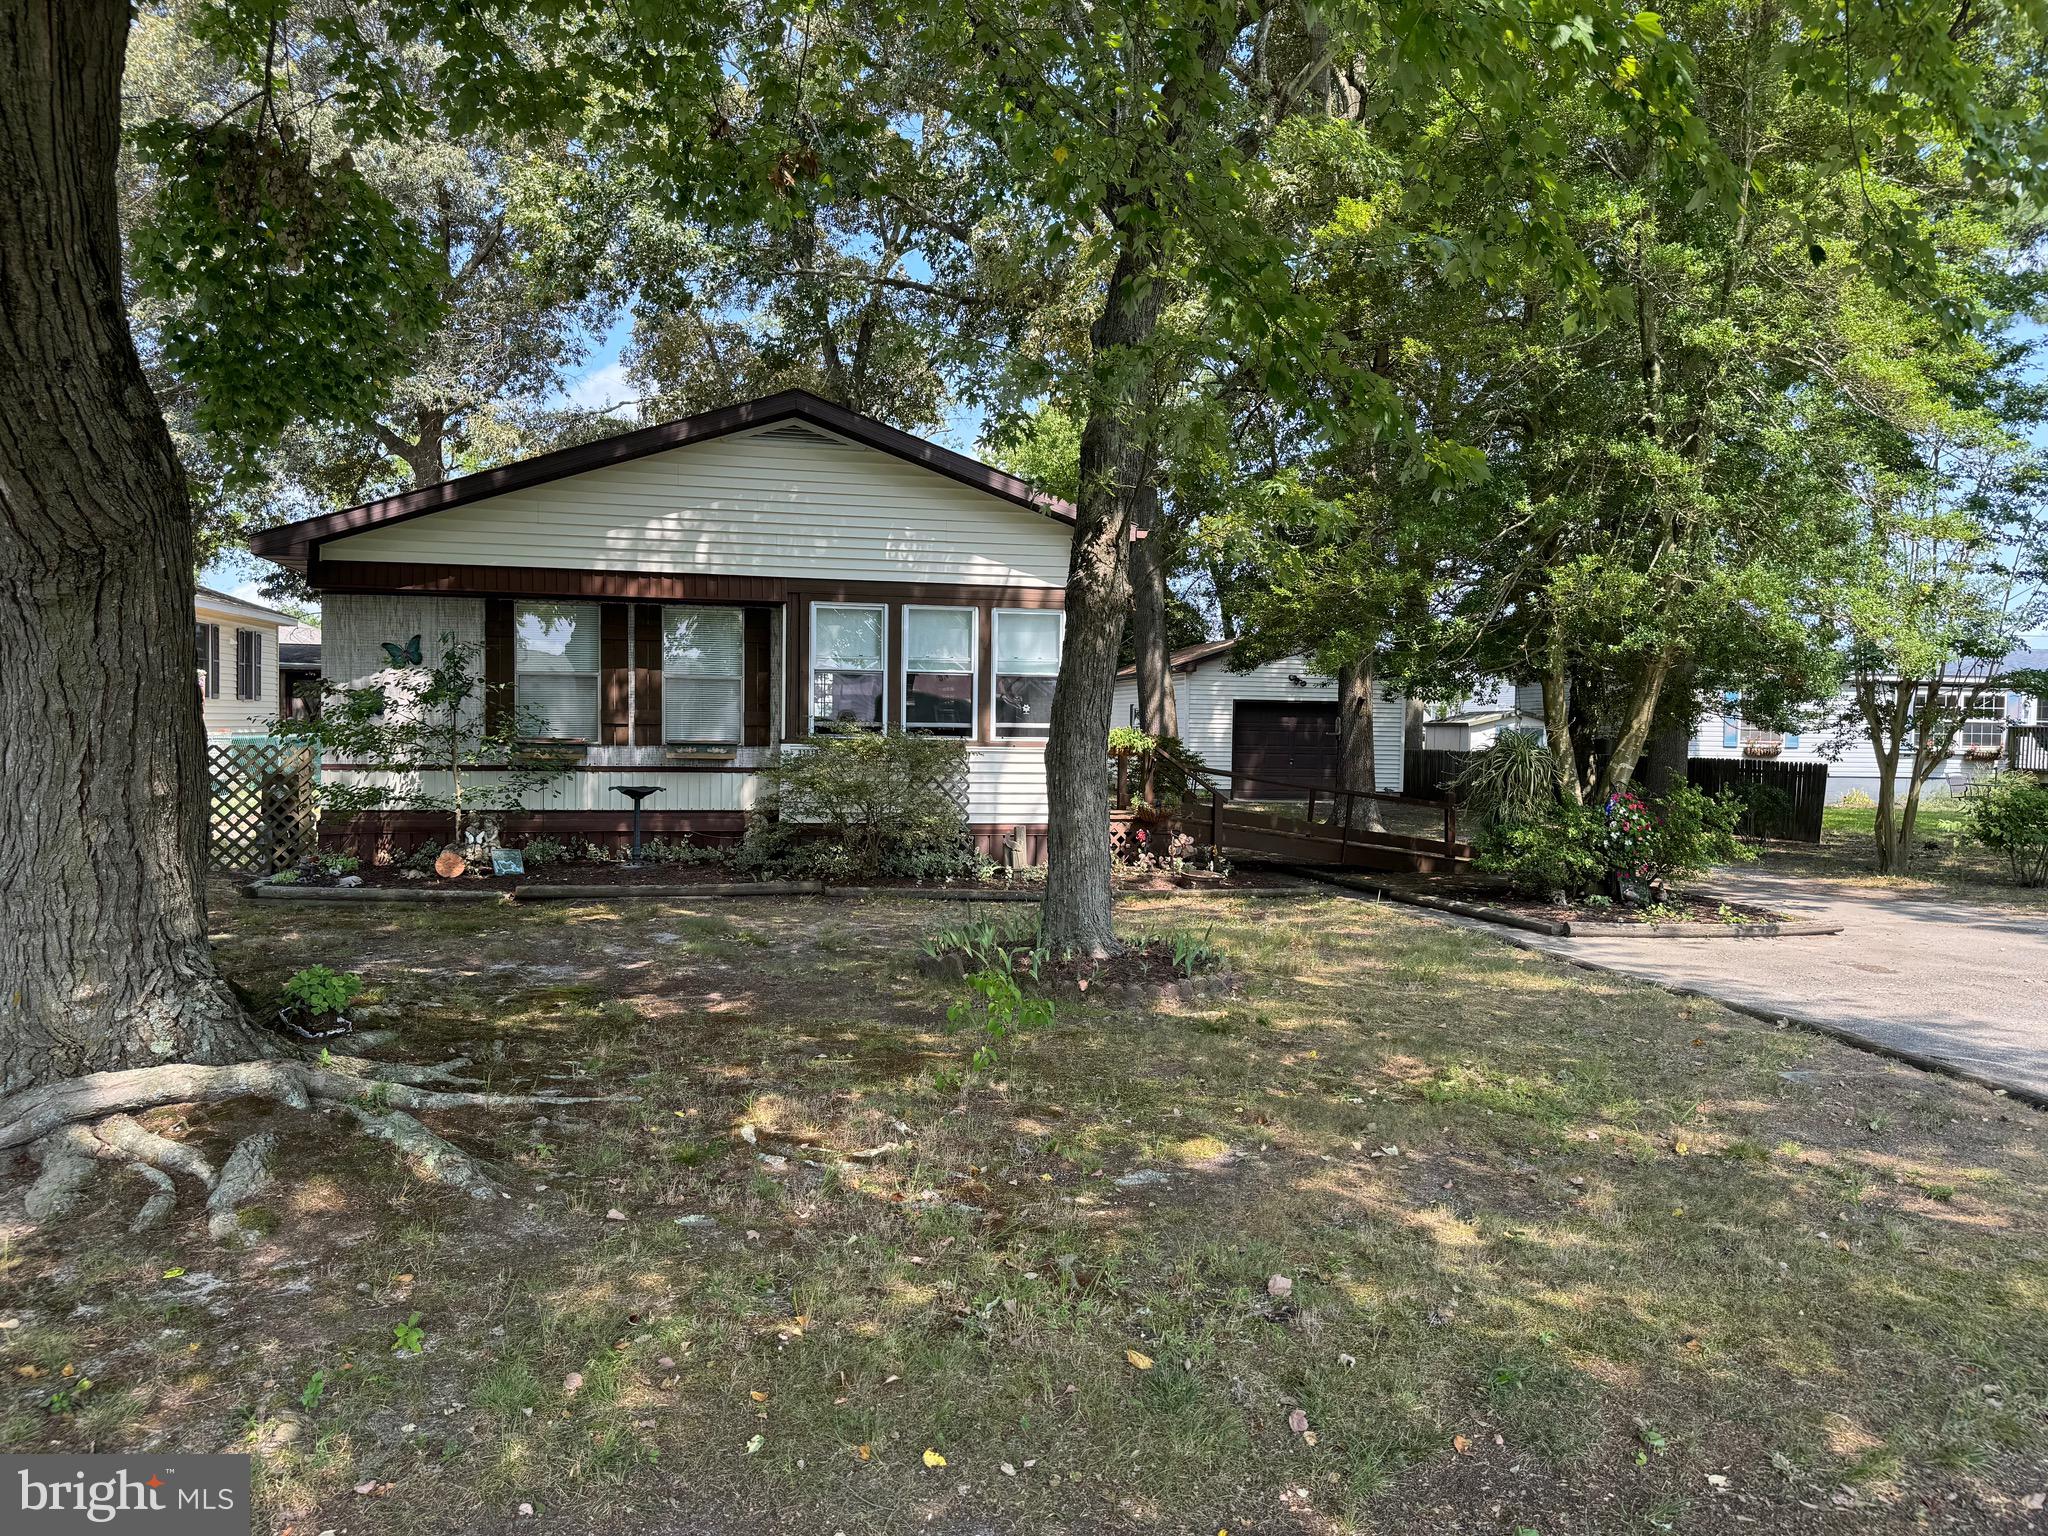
point(320, 990)
point(885, 805)
point(1544, 854)
point(1695, 831)
point(2010, 816)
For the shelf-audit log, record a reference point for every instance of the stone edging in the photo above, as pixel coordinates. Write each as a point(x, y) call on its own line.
point(1554, 929)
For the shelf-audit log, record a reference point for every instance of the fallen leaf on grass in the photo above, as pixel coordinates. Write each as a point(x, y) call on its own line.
point(933, 1459)
point(756, 1443)
point(367, 1487)
point(1298, 1422)
point(759, 1397)
point(1279, 1286)
point(863, 1451)
point(573, 1383)
point(174, 1274)
point(1142, 1362)
point(1461, 1445)
point(1008, 1470)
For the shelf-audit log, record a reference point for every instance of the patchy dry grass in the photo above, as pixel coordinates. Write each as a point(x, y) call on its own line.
point(1563, 1251)
point(1946, 859)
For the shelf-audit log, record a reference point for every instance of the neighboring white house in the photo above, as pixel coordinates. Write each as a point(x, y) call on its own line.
point(1851, 759)
point(1278, 720)
point(236, 647)
point(668, 605)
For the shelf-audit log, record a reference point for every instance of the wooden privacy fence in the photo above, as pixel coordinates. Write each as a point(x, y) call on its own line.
point(262, 814)
point(1429, 771)
point(1785, 799)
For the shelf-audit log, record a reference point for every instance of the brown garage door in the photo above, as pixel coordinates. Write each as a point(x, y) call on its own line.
point(1282, 742)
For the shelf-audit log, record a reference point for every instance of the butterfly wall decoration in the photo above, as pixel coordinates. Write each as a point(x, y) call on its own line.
point(406, 655)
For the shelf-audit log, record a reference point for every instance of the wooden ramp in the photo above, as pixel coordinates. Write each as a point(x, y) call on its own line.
point(1303, 824)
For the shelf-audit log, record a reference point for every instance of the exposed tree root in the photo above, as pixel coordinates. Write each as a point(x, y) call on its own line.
point(71, 1127)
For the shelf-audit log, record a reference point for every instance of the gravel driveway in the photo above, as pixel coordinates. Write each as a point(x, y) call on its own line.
point(1928, 975)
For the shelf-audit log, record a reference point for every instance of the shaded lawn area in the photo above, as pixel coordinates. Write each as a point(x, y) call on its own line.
point(1568, 1255)
point(1946, 858)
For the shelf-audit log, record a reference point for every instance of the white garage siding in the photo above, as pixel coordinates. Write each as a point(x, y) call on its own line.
point(789, 502)
point(1204, 700)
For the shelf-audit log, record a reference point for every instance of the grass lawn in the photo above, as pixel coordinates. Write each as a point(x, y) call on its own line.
point(1567, 1254)
point(1946, 859)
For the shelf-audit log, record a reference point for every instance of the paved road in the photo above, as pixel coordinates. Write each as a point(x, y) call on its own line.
point(1925, 974)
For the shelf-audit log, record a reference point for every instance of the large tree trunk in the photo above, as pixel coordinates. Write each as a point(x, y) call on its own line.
point(1620, 766)
point(1557, 718)
point(1157, 715)
point(1075, 914)
point(103, 954)
point(1355, 745)
point(1671, 738)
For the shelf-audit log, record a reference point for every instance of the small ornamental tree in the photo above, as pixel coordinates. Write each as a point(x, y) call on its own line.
point(425, 732)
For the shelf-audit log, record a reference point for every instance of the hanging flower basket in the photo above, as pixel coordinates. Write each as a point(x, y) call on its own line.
point(1762, 748)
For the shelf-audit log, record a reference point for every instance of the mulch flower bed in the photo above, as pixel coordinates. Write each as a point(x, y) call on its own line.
point(596, 872)
point(1677, 907)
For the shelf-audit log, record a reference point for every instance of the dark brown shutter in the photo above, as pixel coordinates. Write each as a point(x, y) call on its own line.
point(213, 661)
point(617, 675)
point(759, 703)
point(647, 675)
point(501, 703)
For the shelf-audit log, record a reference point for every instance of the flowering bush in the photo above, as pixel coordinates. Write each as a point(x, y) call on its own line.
point(1571, 849)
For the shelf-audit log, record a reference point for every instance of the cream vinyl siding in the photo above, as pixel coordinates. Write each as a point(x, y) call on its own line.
point(781, 502)
point(1205, 696)
point(228, 715)
point(1005, 786)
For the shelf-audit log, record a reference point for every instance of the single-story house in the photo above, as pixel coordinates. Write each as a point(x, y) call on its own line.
point(1275, 723)
point(236, 646)
point(669, 605)
point(1852, 760)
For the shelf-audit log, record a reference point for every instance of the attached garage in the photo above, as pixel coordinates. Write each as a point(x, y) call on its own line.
point(1281, 748)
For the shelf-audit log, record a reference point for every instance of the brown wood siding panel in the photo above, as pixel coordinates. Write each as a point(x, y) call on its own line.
point(651, 586)
point(615, 676)
point(647, 675)
point(499, 701)
point(759, 689)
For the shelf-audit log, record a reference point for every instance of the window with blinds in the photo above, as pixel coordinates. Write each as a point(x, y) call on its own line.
point(555, 661)
point(848, 662)
point(703, 671)
point(1027, 666)
point(248, 663)
point(939, 670)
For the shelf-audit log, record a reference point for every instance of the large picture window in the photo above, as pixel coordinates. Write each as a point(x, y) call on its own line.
point(938, 670)
point(849, 663)
point(703, 662)
point(555, 669)
point(1027, 665)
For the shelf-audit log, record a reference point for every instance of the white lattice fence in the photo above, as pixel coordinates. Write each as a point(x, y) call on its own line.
point(262, 814)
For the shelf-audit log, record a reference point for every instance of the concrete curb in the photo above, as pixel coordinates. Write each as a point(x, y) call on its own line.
point(1784, 1019)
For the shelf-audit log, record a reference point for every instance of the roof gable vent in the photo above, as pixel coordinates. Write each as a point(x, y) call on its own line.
point(796, 432)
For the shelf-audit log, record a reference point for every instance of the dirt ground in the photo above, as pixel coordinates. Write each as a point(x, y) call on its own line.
point(1416, 1233)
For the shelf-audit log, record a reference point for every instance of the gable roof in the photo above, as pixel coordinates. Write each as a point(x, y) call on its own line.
point(290, 544)
point(226, 602)
point(1188, 658)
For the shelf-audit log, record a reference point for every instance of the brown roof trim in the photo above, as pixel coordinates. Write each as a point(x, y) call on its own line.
point(290, 543)
point(1190, 658)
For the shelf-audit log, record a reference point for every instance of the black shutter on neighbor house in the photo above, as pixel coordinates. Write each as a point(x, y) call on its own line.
point(500, 701)
point(213, 661)
point(758, 703)
point(248, 663)
point(615, 675)
point(647, 675)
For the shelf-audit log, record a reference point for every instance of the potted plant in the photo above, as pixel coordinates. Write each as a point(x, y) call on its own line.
point(312, 1004)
